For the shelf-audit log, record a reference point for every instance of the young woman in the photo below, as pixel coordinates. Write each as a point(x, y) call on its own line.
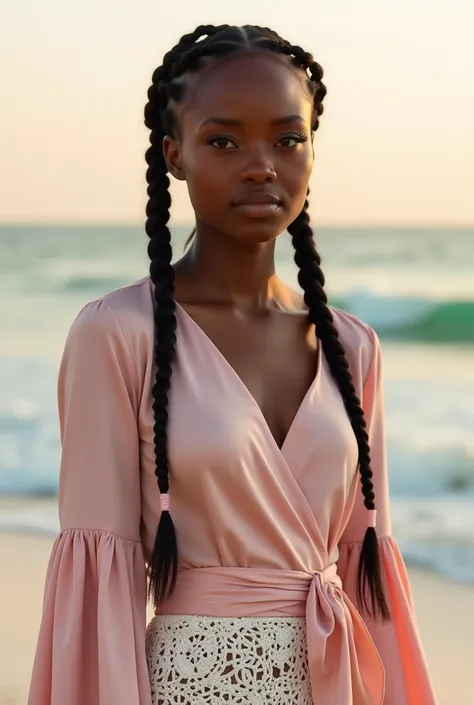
point(259, 412)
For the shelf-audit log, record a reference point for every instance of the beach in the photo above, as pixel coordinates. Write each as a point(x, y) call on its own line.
point(444, 609)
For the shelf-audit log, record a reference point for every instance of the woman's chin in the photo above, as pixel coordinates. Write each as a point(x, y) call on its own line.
point(256, 235)
point(258, 229)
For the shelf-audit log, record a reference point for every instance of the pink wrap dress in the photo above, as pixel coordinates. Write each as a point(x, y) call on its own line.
point(264, 532)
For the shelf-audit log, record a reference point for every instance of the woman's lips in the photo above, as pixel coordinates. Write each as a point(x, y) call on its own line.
point(258, 205)
point(258, 210)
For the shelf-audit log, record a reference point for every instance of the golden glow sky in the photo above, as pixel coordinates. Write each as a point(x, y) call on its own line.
point(396, 143)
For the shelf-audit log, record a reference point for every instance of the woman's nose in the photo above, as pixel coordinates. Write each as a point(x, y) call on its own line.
point(259, 167)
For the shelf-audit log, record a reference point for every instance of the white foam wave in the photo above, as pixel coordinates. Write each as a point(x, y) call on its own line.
point(437, 533)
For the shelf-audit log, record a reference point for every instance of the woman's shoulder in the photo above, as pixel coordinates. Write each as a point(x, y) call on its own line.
point(359, 339)
point(129, 305)
point(125, 314)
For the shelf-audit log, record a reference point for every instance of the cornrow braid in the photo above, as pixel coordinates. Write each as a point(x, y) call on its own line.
point(185, 57)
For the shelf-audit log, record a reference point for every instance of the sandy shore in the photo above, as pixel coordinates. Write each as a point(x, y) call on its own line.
point(445, 614)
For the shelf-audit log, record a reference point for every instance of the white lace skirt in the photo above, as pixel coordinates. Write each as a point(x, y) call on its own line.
point(244, 660)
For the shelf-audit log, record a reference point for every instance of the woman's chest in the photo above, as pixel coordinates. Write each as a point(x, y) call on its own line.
point(272, 357)
point(228, 476)
point(218, 435)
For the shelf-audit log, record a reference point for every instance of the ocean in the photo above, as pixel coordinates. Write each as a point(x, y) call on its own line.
point(414, 286)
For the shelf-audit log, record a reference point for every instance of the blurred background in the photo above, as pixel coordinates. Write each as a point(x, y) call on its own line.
point(392, 202)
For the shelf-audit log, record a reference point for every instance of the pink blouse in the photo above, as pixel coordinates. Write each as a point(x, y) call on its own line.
point(248, 515)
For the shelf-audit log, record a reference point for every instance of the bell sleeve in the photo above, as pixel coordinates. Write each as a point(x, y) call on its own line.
point(398, 643)
point(91, 644)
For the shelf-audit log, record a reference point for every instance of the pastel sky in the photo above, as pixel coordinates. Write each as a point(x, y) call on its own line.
point(396, 144)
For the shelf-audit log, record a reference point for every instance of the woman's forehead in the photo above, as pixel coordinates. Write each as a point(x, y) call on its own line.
point(237, 87)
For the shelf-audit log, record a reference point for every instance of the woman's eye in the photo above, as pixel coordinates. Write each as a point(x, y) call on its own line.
point(221, 142)
point(291, 140)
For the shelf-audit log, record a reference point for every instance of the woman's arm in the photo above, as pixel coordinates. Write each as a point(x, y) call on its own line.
point(407, 680)
point(91, 645)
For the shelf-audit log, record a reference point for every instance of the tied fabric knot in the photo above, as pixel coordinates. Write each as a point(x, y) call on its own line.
point(344, 665)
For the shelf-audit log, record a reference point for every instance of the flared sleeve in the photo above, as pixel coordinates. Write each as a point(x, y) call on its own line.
point(407, 680)
point(91, 644)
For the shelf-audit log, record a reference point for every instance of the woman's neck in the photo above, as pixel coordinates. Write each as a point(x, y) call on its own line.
point(220, 268)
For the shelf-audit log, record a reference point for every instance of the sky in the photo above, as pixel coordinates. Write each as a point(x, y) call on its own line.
point(395, 146)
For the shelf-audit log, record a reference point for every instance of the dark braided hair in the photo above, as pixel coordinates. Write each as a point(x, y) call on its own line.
point(186, 56)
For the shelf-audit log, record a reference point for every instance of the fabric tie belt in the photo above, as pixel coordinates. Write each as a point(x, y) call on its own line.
point(344, 665)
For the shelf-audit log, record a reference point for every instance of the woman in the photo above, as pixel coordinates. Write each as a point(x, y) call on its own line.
point(259, 412)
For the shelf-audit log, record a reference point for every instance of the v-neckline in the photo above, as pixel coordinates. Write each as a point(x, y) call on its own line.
point(247, 393)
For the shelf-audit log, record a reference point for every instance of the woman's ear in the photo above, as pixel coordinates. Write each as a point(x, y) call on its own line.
point(172, 154)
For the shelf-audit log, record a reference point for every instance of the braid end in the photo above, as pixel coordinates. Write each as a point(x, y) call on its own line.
point(370, 590)
point(163, 565)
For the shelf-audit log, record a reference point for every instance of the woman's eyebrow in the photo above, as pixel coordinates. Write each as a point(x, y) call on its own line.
point(226, 122)
point(288, 118)
point(230, 122)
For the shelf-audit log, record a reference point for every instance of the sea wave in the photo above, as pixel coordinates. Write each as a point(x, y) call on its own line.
point(412, 319)
point(437, 533)
point(394, 317)
point(90, 285)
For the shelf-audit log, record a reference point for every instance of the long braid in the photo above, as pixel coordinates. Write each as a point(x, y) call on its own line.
point(370, 589)
point(186, 56)
point(163, 564)
point(311, 280)
point(164, 560)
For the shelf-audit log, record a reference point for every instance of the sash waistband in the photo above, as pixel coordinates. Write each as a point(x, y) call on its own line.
point(345, 667)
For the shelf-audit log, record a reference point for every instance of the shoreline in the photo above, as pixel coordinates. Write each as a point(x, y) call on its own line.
point(444, 610)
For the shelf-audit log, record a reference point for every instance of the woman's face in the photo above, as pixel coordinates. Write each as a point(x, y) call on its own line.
point(244, 145)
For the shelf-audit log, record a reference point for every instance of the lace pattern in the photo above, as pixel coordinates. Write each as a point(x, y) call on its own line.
point(243, 661)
